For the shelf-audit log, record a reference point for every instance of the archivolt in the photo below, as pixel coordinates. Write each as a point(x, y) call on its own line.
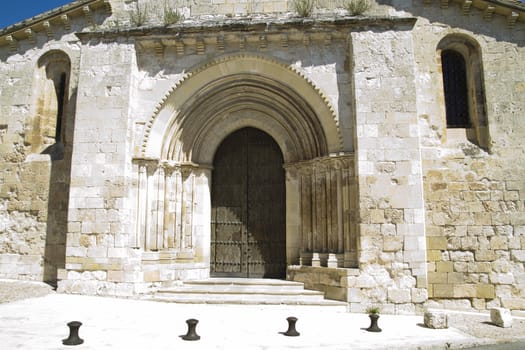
point(239, 91)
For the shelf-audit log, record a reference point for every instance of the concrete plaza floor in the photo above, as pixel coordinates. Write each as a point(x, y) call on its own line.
point(110, 323)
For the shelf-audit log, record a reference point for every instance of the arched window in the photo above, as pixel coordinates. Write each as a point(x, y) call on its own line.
point(463, 88)
point(52, 97)
point(455, 88)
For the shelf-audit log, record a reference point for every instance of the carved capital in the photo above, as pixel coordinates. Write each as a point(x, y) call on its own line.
point(159, 49)
point(89, 15)
point(30, 35)
point(146, 165)
point(467, 4)
point(66, 21)
point(12, 42)
point(489, 12)
point(201, 46)
point(220, 43)
point(48, 28)
point(512, 18)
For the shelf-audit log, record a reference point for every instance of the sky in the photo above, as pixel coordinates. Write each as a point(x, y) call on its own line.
point(14, 11)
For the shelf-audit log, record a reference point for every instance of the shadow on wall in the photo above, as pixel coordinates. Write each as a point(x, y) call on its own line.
point(59, 185)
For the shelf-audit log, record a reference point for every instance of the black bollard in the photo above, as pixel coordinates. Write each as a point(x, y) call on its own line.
point(73, 338)
point(291, 332)
point(192, 333)
point(373, 323)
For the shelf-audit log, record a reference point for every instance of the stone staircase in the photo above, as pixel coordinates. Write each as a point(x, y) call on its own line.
point(243, 291)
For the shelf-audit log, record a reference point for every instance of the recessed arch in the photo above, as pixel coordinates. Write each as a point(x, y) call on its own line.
point(52, 76)
point(469, 64)
point(240, 91)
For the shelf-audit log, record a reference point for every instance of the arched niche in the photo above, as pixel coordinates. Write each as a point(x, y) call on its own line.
point(48, 125)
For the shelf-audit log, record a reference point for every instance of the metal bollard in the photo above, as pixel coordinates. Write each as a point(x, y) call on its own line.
point(373, 323)
point(291, 332)
point(192, 333)
point(73, 338)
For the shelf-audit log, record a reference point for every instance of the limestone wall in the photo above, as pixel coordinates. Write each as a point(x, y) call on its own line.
point(33, 166)
point(151, 12)
point(438, 213)
point(99, 221)
point(474, 197)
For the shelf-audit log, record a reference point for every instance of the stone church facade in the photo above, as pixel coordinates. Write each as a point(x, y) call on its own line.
point(378, 157)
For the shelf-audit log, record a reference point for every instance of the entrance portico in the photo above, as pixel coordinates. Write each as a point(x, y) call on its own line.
point(176, 164)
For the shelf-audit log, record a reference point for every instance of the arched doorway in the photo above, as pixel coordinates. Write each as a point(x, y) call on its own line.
point(248, 223)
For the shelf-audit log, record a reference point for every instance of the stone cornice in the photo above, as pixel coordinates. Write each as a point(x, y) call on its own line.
point(513, 10)
point(250, 26)
point(47, 21)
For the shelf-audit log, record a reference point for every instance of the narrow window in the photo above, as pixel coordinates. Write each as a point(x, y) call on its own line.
point(456, 89)
point(61, 92)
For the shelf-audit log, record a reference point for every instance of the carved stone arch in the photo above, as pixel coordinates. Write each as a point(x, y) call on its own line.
point(174, 165)
point(238, 91)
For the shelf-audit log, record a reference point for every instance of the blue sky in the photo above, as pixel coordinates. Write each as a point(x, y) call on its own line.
point(14, 11)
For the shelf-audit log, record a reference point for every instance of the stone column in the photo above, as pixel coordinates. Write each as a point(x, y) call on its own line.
point(295, 238)
point(202, 214)
point(325, 227)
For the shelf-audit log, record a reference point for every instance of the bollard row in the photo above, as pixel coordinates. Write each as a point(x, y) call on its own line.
point(191, 335)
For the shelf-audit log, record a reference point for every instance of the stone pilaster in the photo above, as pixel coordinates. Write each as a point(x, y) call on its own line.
point(392, 242)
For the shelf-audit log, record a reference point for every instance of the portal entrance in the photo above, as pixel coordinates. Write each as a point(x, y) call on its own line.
point(248, 230)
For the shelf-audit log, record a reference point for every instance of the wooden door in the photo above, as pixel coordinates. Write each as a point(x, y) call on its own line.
point(248, 207)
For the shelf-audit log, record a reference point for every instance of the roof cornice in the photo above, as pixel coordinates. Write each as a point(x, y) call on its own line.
point(513, 10)
point(60, 16)
point(250, 26)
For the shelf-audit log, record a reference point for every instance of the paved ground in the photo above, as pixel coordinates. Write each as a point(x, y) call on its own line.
point(39, 322)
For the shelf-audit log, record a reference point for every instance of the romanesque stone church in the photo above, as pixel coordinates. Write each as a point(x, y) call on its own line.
point(373, 150)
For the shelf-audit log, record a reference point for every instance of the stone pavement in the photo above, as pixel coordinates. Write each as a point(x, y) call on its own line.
point(109, 323)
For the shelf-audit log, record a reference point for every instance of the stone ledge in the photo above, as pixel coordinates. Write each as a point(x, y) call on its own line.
point(324, 279)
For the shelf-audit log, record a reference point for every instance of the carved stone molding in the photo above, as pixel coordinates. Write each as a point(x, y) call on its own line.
point(488, 8)
point(466, 5)
point(326, 202)
point(166, 200)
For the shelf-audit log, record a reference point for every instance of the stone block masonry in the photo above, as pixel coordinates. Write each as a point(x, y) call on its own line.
point(109, 129)
point(473, 254)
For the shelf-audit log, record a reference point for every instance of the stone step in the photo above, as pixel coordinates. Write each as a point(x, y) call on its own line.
point(220, 289)
point(243, 291)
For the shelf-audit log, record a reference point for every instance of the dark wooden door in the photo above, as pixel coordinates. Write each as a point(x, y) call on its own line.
point(248, 207)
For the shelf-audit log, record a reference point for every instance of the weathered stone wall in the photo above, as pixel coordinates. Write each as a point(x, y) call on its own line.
point(151, 12)
point(32, 170)
point(474, 197)
point(99, 220)
point(439, 214)
point(114, 219)
point(391, 220)
point(23, 185)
